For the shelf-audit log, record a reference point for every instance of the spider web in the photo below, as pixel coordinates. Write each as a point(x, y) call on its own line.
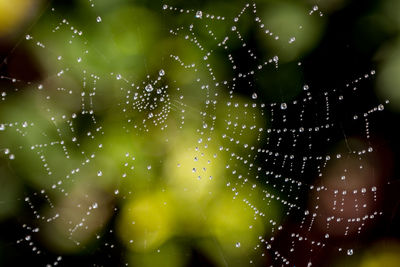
point(293, 166)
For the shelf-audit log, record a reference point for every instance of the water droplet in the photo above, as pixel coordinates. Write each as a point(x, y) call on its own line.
point(199, 14)
point(350, 252)
point(283, 106)
point(149, 88)
point(98, 19)
point(161, 72)
point(237, 245)
point(381, 107)
point(306, 87)
point(99, 173)
point(254, 96)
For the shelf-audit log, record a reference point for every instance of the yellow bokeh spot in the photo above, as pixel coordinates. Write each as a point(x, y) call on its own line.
point(12, 14)
point(234, 224)
point(146, 223)
point(195, 171)
point(384, 254)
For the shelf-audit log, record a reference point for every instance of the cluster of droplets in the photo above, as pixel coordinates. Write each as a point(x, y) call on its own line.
point(198, 14)
point(151, 99)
